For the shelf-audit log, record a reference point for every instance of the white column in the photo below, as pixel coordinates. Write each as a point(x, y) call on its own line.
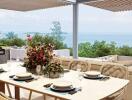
point(75, 30)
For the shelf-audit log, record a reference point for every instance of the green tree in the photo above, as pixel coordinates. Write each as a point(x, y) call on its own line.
point(11, 35)
point(38, 39)
point(97, 49)
point(125, 50)
point(17, 42)
point(85, 50)
point(56, 31)
point(58, 44)
point(12, 40)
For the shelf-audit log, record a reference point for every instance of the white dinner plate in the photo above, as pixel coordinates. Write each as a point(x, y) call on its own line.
point(23, 79)
point(62, 89)
point(62, 84)
point(92, 73)
point(23, 75)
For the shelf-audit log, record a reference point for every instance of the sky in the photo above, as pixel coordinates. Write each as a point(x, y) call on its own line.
point(90, 20)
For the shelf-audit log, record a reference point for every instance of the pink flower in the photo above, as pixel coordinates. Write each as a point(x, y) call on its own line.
point(29, 38)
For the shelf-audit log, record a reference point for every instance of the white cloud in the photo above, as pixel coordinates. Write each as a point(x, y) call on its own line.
point(90, 20)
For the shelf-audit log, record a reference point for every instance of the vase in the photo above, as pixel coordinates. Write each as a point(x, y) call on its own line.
point(31, 70)
point(36, 71)
point(54, 75)
point(39, 70)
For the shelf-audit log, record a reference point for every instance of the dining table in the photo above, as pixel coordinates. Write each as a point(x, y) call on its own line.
point(90, 89)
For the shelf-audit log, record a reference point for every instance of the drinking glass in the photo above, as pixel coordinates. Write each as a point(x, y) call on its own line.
point(80, 77)
point(9, 65)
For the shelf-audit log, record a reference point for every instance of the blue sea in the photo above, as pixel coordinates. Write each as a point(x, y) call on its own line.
point(119, 39)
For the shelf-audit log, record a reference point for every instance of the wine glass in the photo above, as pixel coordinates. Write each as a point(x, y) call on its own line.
point(79, 74)
point(9, 65)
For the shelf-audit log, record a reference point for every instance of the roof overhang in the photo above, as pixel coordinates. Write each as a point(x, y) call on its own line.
point(27, 5)
point(112, 5)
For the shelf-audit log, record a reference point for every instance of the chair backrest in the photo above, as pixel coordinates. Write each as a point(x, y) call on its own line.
point(65, 63)
point(118, 71)
point(83, 64)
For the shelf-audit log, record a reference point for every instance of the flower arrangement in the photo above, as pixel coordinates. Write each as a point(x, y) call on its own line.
point(40, 59)
point(53, 69)
point(38, 55)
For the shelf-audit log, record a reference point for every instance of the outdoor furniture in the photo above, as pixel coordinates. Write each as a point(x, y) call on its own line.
point(96, 65)
point(91, 89)
point(84, 66)
point(65, 61)
point(117, 71)
point(4, 97)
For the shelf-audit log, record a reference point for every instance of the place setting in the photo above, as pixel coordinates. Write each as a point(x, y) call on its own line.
point(62, 86)
point(27, 77)
point(95, 75)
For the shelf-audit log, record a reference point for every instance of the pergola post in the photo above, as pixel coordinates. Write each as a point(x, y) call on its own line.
point(75, 30)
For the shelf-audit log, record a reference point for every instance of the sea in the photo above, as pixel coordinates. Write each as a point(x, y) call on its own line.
point(119, 39)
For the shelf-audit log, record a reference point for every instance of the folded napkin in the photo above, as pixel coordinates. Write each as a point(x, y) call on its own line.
point(2, 70)
point(75, 91)
point(48, 85)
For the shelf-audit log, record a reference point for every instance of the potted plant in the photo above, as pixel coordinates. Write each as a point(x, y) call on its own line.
point(53, 70)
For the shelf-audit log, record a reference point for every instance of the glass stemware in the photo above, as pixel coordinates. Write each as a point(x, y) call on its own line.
point(9, 65)
point(80, 77)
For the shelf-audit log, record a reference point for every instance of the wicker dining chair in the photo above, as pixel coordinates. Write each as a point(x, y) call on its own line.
point(83, 64)
point(118, 71)
point(65, 62)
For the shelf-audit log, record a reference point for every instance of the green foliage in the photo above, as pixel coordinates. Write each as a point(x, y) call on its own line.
point(58, 44)
point(11, 35)
point(36, 40)
point(17, 42)
point(97, 49)
point(40, 39)
point(85, 50)
point(125, 50)
point(12, 40)
point(103, 49)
